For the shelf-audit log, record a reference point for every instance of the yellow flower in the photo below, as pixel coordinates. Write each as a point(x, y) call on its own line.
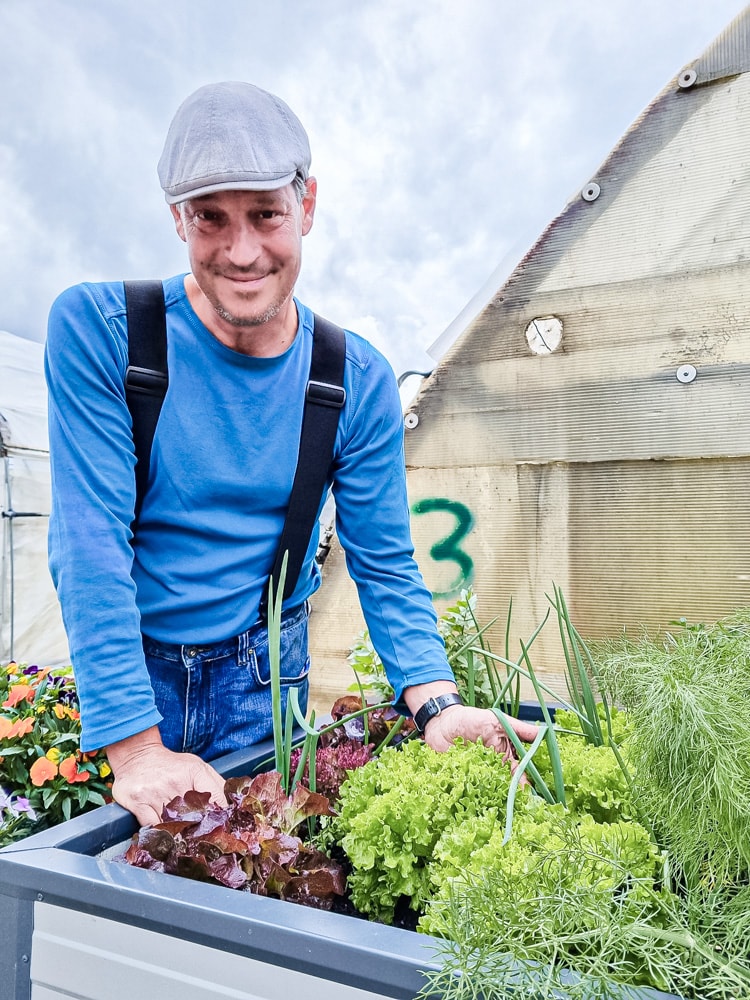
point(104, 769)
point(54, 755)
point(12, 667)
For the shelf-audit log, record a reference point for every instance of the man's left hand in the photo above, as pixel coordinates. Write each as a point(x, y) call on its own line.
point(474, 724)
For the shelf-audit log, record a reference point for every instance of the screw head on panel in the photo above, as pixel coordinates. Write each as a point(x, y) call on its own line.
point(591, 192)
point(687, 79)
point(686, 373)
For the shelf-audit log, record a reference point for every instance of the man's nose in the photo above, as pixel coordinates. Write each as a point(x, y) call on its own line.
point(244, 246)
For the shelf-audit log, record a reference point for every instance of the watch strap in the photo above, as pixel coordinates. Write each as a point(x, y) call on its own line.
point(433, 707)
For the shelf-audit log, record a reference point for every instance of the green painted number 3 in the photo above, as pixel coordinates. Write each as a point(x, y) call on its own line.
point(449, 548)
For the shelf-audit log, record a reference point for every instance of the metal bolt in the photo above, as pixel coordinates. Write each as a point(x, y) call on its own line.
point(591, 192)
point(40, 896)
point(687, 79)
point(411, 420)
point(686, 373)
point(25, 959)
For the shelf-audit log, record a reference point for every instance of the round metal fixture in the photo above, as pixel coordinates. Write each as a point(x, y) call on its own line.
point(591, 192)
point(686, 373)
point(544, 334)
point(687, 79)
point(411, 420)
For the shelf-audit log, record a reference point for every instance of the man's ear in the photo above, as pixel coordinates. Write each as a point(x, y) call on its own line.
point(308, 204)
point(178, 221)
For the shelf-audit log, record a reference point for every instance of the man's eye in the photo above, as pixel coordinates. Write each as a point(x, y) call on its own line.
point(268, 214)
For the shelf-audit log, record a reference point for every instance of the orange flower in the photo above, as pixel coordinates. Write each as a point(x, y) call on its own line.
point(21, 727)
point(5, 726)
point(17, 693)
point(42, 770)
point(69, 771)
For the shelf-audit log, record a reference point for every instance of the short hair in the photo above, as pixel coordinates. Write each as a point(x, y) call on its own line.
point(300, 185)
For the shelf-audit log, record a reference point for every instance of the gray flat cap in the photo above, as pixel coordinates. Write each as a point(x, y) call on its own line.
point(232, 136)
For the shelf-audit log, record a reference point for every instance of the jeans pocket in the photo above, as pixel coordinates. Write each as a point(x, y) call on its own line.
point(294, 658)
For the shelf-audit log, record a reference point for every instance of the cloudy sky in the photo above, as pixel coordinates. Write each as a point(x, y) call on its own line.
point(446, 134)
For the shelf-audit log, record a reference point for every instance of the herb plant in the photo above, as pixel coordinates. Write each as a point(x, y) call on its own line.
point(687, 695)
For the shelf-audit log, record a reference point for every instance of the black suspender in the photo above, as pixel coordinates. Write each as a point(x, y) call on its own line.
point(146, 378)
point(324, 399)
point(146, 384)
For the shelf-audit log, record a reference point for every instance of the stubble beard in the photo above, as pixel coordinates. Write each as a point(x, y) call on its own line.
point(255, 320)
point(248, 322)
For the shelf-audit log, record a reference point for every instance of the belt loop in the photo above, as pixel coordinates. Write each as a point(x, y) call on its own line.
point(243, 642)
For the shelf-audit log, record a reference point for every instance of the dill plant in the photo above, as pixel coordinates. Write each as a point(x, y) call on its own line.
point(686, 693)
point(574, 938)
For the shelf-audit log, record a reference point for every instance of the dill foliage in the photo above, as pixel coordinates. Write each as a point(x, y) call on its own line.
point(687, 696)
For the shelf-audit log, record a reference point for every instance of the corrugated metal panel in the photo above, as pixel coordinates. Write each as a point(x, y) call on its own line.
point(616, 466)
point(728, 55)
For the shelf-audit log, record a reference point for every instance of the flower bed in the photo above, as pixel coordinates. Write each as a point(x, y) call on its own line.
point(44, 777)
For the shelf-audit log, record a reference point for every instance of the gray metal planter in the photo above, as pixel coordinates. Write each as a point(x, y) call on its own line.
point(76, 924)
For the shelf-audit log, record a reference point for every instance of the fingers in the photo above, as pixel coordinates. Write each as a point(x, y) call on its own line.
point(144, 813)
point(209, 780)
point(525, 731)
point(474, 724)
point(145, 785)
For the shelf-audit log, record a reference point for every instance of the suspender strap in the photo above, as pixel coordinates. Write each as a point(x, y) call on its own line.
point(324, 399)
point(146, 378)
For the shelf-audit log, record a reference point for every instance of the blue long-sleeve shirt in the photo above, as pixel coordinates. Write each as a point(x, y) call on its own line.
point(222, 465)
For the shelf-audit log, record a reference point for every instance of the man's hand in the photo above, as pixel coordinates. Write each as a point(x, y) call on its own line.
point(471, 724)
point(475, 724)
point(147, 775)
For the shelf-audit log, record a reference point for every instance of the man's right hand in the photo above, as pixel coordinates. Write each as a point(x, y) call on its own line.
point(148, 775)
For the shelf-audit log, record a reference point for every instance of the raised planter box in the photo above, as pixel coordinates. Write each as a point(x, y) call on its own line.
point(76, 924)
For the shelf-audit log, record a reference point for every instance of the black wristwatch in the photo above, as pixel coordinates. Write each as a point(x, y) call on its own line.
point(434, 707)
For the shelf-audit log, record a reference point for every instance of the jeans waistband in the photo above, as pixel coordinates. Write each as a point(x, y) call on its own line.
point(225, 647)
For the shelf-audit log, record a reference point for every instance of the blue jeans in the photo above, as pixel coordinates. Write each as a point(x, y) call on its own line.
point(216, 699)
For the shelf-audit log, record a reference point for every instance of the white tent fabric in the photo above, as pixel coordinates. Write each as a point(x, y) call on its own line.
point(31, 628)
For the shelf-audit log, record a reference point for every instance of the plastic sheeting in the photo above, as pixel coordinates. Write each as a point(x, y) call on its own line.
point(31, 627)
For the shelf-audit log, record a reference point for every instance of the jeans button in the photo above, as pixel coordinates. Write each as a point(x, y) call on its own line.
point(192, 651)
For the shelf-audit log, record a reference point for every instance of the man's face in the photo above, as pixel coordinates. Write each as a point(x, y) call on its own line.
point(245, 252)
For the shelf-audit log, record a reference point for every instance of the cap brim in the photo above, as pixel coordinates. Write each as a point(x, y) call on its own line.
point(174, 198)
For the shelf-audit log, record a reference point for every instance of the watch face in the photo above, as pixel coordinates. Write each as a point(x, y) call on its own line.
point(544, 334)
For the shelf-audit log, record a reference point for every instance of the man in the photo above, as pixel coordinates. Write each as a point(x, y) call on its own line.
point(169, 650)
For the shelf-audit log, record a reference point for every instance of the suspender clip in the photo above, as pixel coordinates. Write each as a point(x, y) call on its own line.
point(325, 394)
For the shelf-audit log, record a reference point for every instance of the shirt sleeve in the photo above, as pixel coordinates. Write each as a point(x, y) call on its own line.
point(93, 489)
point(372, 523)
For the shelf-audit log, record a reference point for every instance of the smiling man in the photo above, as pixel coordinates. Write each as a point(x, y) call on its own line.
point(162, 590)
